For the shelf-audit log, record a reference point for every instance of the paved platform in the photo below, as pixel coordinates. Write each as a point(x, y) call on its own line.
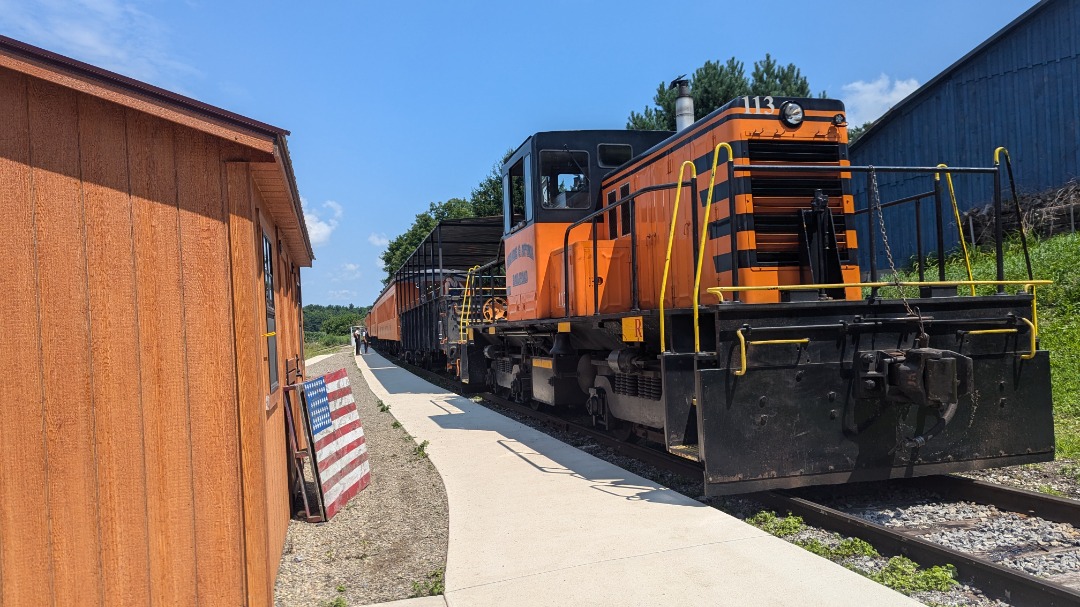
point(534, 521)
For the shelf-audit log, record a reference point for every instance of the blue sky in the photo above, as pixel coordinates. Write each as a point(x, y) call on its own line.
point(393, 105)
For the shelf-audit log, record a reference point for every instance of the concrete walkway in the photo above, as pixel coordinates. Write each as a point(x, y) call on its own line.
point(534, 521)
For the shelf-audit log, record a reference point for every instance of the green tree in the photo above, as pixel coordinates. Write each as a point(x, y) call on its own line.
point(768, 78)
point(715, 84)
point(856, 132)
point(339, 324)
point(487, 197)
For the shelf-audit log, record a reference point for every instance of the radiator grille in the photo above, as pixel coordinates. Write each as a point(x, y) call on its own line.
point(777, 198)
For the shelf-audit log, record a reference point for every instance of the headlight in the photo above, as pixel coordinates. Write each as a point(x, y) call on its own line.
point(791, 113)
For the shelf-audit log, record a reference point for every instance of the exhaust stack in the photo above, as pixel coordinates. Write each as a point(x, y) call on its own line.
point(684, 103)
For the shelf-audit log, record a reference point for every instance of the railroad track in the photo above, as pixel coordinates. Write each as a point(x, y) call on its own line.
point(996, 581)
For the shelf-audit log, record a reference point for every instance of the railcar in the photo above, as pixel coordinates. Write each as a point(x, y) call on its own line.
point(703, 289)
point(420, 313)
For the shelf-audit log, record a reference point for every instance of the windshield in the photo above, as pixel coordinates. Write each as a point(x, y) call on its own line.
point(563, 185)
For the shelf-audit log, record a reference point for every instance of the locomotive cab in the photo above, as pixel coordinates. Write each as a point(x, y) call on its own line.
point(552, 180)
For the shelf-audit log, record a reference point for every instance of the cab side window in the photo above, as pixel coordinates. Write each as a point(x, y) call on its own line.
point(624, 191)
point(517, 195)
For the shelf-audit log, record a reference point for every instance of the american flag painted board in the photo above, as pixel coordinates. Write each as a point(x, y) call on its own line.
point(341, 458)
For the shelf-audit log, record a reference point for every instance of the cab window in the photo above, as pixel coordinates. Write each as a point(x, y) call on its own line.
point(614, 154)
point(517, 196)
point(563, 182)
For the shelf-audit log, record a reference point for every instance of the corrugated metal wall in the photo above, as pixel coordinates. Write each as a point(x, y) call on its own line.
point(1021, 91)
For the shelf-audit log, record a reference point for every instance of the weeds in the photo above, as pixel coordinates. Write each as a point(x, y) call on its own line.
point(778, 526)
point(432, 586)
point(338, 601)
point(903, 575)
point(383, 407)
point(395, 425)
point(847, 548)
point(421, 450)
point(1047, 489)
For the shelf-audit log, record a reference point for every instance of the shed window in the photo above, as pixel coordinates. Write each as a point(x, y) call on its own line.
point(271, 322)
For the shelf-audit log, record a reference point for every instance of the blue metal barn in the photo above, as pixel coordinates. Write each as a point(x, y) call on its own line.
point(1019, 89)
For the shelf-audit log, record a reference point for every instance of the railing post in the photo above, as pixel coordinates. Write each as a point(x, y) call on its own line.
point(918, 240)
point(871, 235)
point(998, 236)
point(733, 226)
point(938, 210)
point(695, 209)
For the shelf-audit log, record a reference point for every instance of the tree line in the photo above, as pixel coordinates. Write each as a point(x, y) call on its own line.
point(332, 320)
point(711, 85)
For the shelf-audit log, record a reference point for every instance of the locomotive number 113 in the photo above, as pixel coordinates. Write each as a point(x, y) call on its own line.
point(768, 101)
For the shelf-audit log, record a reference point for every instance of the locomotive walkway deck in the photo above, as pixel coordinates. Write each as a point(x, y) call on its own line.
point(534, 521)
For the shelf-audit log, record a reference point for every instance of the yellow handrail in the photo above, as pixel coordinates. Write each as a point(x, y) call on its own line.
point(1034, 306)
point(959, 223)
point(466, 298)
point(671, 239)
point(719, 291)
point(1031, 330)
point(992, 331)
point(704, 238)
point(764, 342)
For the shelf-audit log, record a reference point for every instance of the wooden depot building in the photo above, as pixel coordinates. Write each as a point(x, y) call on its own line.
point(150, 305)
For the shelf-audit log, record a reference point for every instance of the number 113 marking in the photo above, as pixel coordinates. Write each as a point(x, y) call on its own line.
point(769, 108)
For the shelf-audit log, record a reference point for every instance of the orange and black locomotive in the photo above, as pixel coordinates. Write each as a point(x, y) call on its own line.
point(708, 290)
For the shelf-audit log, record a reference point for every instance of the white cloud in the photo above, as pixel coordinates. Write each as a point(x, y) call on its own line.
point(112, 34)
point(319, 229)
point(867, 101)
point(378, 240)
point(342, 295)
point(347, 272)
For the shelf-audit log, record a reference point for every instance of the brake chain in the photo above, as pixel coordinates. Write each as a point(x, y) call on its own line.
point(875, 205)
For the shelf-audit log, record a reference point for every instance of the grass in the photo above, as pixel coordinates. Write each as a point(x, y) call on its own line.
point(1056, 259)
point(434, 585)
point(1047, 489)
point(899, 573)
point(421, 449)
point(338, 601)
point(316, 343)
point(903, 575)
point(383, 407)
point(777, 525)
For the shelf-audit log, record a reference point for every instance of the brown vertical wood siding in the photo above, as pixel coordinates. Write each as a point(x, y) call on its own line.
point(138, 462)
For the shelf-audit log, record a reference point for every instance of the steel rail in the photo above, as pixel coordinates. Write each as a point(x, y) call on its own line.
point(1012, 499)
point(997, 581)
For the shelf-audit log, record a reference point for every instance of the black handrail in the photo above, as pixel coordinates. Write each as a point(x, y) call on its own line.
point(629, 199)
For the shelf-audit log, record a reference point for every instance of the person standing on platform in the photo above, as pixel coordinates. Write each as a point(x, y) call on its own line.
point(356, 340)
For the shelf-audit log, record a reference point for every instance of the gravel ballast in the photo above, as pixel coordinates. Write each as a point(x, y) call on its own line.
point(391, 535)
